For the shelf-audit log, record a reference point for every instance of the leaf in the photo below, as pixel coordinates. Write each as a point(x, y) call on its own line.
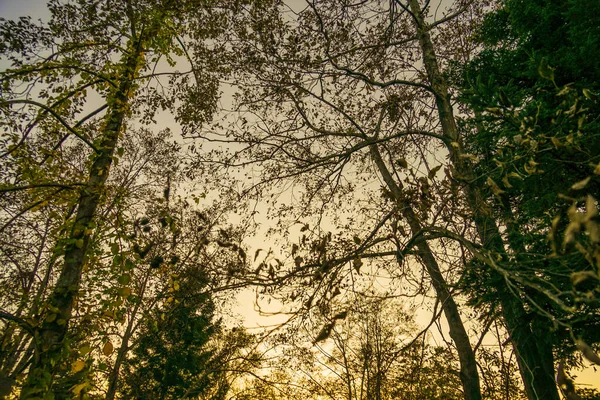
point(581, 184)
point(325, 333)
point(114, 248)
point(78, 388)
point(528, 169)
point(433, 171)
point(401, 162)
point(494, 186)
point(597, 169)
point(108, 348)
point(517, 139)
point(593, 231)
point(590, 207)
point(357, 263)
point(506, 182)
point(572, 229)
point(356, 239)
point(77, 366)
point(85, 349)
point(124, 279)
point(256, 253)
point(294, 249)
point(468, 156)
point(546, 71)
point(556, 142)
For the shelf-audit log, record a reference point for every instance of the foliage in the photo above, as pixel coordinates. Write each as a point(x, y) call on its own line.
point(536, 137)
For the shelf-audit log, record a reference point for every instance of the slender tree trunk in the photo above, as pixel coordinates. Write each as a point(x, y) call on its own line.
point(468, 366)
point(51, 335)
point(534, 358)
point(113, 378)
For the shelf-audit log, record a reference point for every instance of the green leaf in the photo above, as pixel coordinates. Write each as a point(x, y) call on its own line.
point(124, 279)
point(114, 248)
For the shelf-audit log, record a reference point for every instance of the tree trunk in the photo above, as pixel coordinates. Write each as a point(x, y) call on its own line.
point(51, 335)
point(533, 354)
point(113, 378)
point(468, 366)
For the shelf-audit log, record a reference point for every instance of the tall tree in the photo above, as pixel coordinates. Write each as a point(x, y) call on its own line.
point(534, 137)
point(320, 132)
point(108, 49)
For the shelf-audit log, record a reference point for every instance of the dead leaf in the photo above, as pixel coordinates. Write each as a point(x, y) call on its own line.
point(108, 348)
point(581, 184)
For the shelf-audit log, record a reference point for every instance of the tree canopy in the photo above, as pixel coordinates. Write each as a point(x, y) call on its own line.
point(415, 183)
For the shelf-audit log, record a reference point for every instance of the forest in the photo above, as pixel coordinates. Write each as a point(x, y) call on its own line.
point(409, 187)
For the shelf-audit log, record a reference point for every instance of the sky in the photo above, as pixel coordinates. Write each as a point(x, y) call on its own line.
point(12, 9)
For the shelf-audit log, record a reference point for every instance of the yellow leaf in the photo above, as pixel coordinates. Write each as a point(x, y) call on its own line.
point(518, 139)
point(85, 349)
point(77, 366)
point(590, 207)
point(514, 175)
point(529, 170)
point(78, 388)
point(175, 285)
point(587, 93)
point(468, 156)
point(597, 169)
point(581, 184)
point(108, 348)
point(494, 186)
point(50, 317)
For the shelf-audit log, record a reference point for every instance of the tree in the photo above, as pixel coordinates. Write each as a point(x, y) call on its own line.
point(170, 351)
point(317, 131)
point(110, 50)
point(534, 136)
point(376, 351)
point(377, 67)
